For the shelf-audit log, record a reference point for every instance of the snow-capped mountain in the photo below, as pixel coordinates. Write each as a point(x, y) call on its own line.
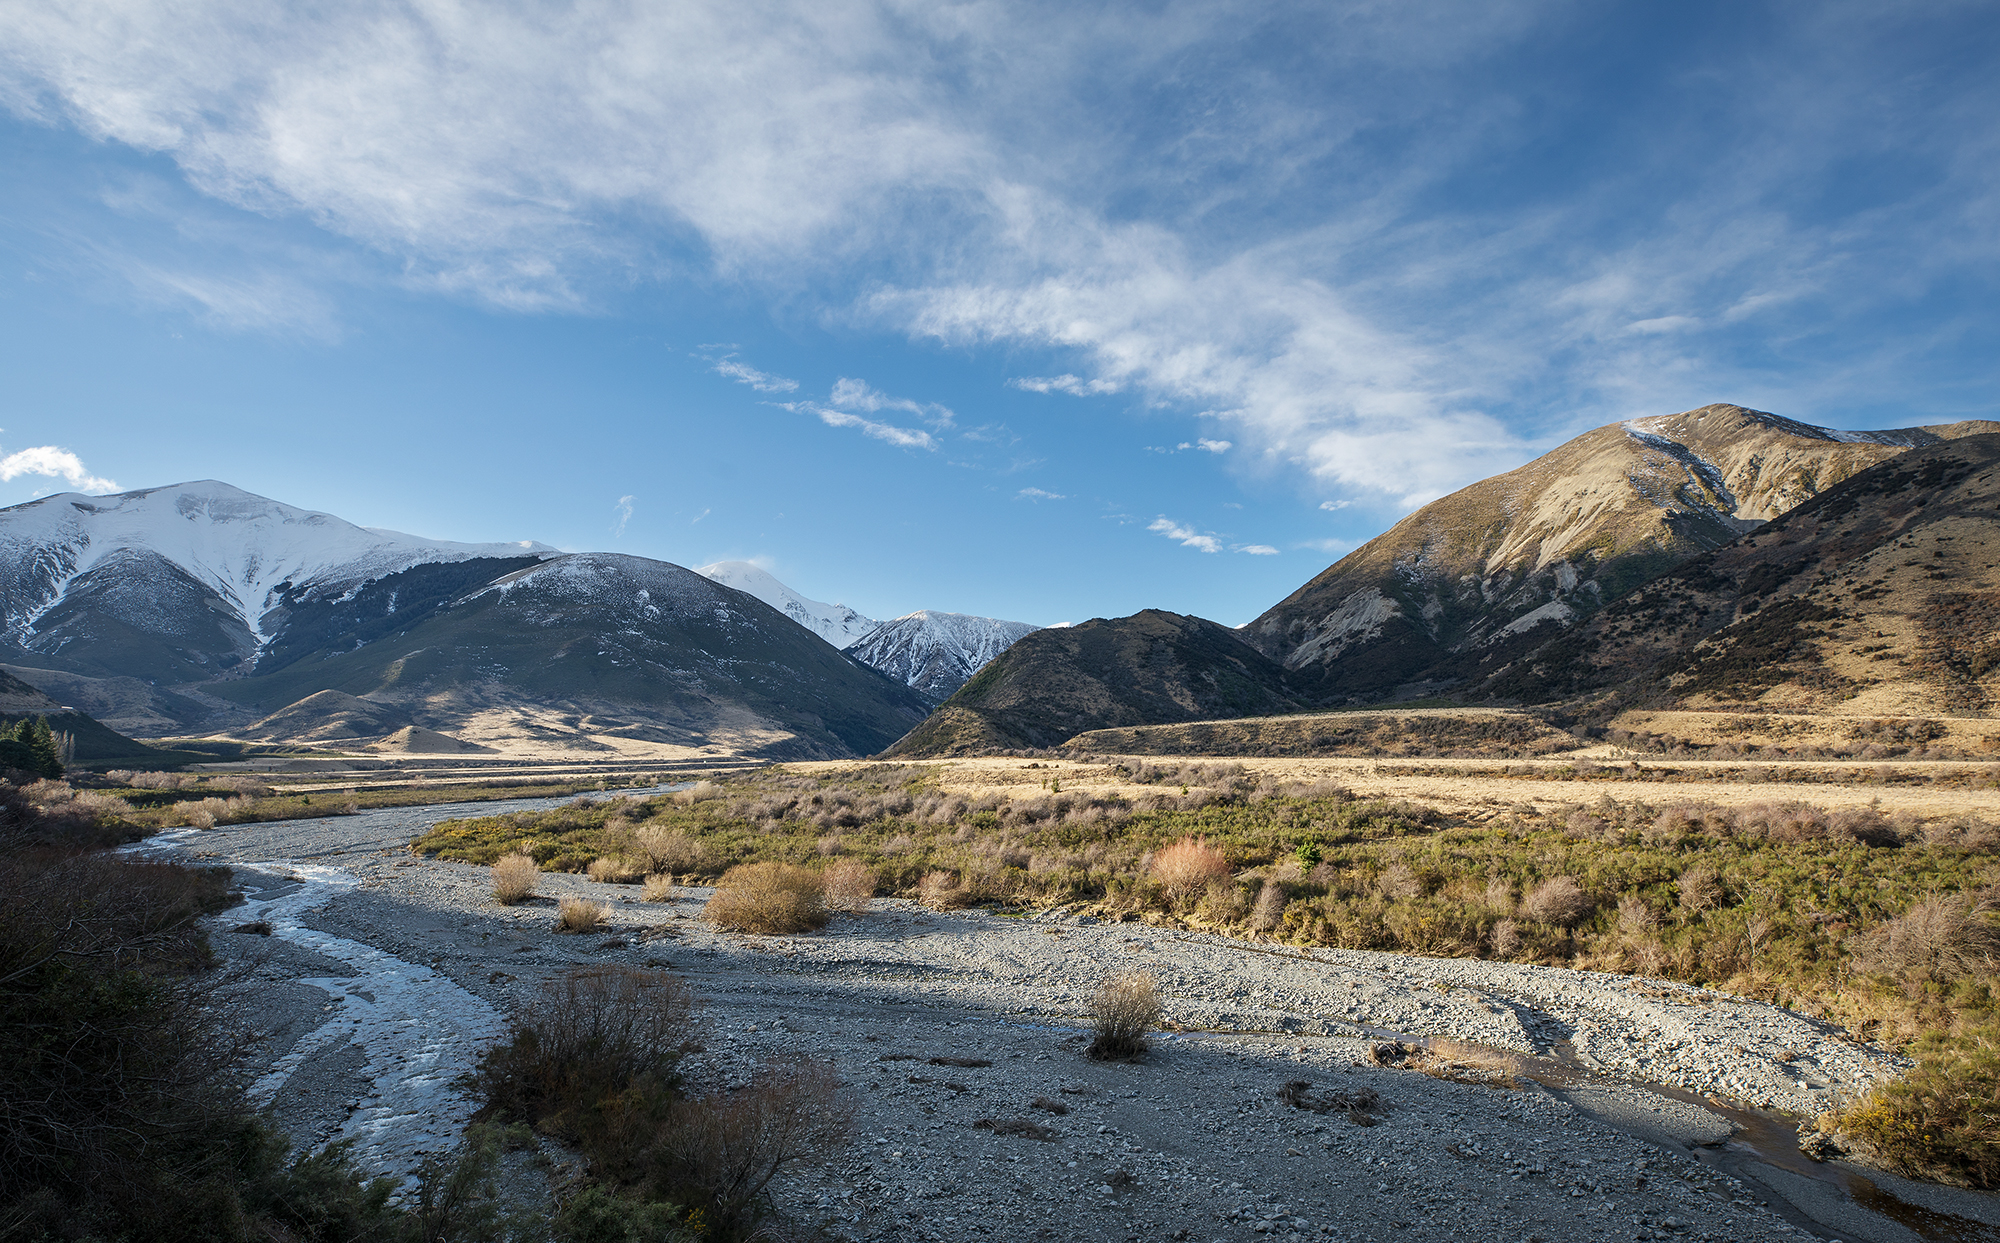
point(211, 570)
point(936, 652)
point(836, 623)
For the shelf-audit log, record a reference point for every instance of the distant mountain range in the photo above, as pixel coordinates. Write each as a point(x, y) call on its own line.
point(836, 623)
point(200, 608)
point(931, 651)
point(1545, 583)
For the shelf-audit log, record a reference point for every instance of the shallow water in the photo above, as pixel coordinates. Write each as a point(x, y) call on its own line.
point(418, 1030)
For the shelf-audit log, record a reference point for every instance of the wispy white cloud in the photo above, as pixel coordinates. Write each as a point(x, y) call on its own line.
point(1036, 494)
point(1206, 445)
point(857, 395)
point(1259, 550)
point(54, 463)
point(1334, 506)
point(1188, 536)
point(1018, 174)
point(623, 508)
point(889, 433)
point(744, 373)
point(698, 517)
point(1075, 386)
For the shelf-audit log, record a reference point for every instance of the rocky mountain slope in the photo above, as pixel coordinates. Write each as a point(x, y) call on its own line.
point(836, 623)
point(592, 651)
point(936, 652)
point(1880, 596)
point(1492, 568)
point(1146, 669)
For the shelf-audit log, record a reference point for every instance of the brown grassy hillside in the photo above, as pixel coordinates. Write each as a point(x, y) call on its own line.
point(1880, 597)
point(1479, 571)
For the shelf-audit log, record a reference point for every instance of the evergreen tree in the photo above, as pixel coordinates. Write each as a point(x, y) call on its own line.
point(42, 741)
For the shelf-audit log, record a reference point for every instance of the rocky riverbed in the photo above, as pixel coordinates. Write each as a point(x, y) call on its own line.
point(384, 974)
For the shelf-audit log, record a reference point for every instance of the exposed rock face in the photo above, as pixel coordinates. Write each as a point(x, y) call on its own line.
point(1880, 596)
point(1144, 669)
point(1498, 567)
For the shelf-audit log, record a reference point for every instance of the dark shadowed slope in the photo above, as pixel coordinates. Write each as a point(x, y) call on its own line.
point(1145, 669)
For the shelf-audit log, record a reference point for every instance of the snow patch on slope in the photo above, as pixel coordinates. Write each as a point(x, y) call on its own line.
point(936, 652)
point(836, 623)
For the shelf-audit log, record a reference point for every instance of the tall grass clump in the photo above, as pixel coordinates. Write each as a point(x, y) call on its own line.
point(771, 899)
point(1124, 1009)
point(581, 915)
point(514, 879)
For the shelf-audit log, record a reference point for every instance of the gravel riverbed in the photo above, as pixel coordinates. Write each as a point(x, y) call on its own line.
point(387, 973)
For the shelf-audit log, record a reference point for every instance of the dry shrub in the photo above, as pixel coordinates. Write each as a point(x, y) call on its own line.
point(1558, 900)
point(718, 1154)
point(1937, 939)
point(581, 915)
point(1634, 915)
point(699, 792)
point(668, 850)
point(592, 1033)
point(848, 885)
point(514, 879)
point(940, 891)
point(1505, 938)
point(612, 871)
point(1399, 883)
point(1187, 868)
point(1270, 908)
point(1500, 893)
point(658, 888)
point(1124, 1007)
point(768, 898)
point(1700, 889)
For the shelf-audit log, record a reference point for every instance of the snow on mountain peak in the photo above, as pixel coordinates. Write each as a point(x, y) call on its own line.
point(836, 623)
point(241, 545)
point(937, 652)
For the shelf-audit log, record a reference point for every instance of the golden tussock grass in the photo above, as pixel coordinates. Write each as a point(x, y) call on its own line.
point(581, 915)
point(768, 898)
point(514, 879)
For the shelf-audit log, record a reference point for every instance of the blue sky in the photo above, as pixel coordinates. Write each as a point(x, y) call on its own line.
point(1037, 311)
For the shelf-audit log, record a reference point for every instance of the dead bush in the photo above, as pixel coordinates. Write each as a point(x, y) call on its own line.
point(1700, 889)
point(771, 899)
point(718, 1154)
point(581, 915)
point(514, 879)
point(848, 885)
point(1125, 1007)
point(1187, 868)
point(1937, 939)
point(1634, 915)
point(658, 889)
point(1505, 938)
point(662, 849)
point(1270, 907)
point(1558, 900)
point(940, 891)
point(612, 871)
